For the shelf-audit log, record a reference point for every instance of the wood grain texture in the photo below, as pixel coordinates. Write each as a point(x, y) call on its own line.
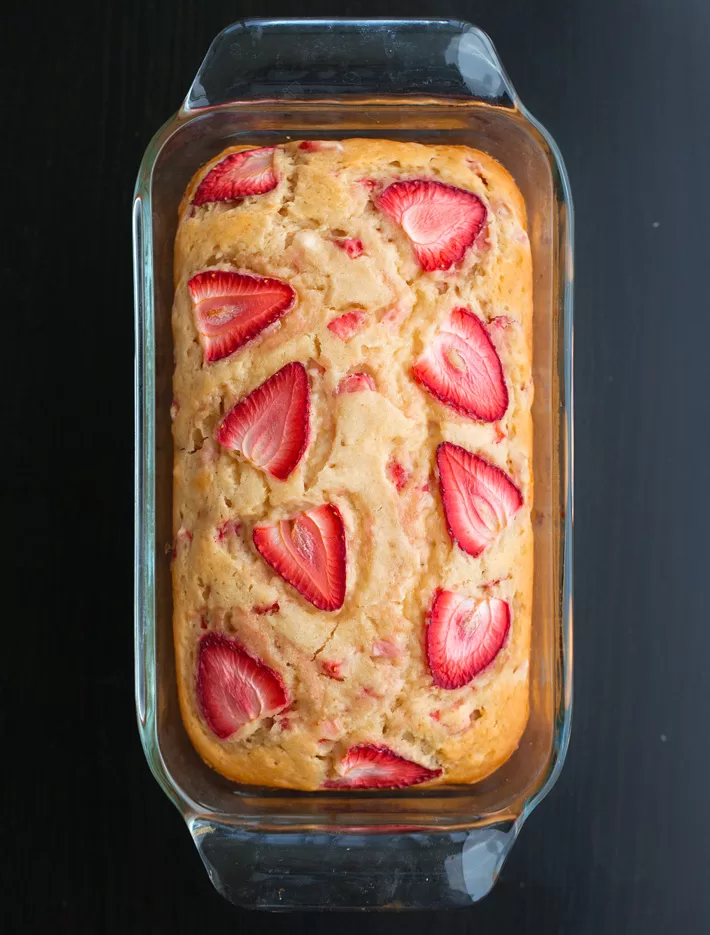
point(623, 843)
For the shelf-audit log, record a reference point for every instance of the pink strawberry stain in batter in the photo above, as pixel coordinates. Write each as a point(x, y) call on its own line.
point(332, 669)
point(229, 527)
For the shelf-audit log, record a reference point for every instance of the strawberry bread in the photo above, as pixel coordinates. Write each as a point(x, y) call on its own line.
point(352, 562)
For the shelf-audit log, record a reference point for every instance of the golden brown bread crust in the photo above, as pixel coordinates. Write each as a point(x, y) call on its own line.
point(399, 550)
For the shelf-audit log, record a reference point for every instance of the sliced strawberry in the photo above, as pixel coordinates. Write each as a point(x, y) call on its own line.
point(263, 609)
point(308, 551)
point(441, 221)
point(347, 325)
point(398, 474)
point(464, 636)
point(479, 499)
point(234, 688)
point(270, 426)
point(352, 246)
point(250, 172)
point(367, 766)
point(462, 369)
point(232, 308)
point(356, 383)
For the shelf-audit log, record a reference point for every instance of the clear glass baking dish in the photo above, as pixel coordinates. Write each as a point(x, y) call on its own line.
point(264, 82)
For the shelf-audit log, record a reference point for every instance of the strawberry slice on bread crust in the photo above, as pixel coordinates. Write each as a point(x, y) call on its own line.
point(462, 369)
point(353, 246)
point(249, 172)
point(464, 636)
point(270, 427)
point(479, 498)
point(232, 308)
point(367, 766)
point(308, 551)
point(356, 383)
point(347, 325)
point(233, 687)
point(441, 221)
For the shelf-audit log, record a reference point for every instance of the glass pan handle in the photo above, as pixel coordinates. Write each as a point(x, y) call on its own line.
point(307, 60)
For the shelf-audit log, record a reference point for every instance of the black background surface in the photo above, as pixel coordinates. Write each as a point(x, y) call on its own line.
point(91, 844)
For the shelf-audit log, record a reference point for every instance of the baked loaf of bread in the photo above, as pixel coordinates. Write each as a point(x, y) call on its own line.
point(352, 563)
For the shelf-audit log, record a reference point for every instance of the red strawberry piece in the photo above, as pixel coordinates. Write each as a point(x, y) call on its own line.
point(228, 528)
point(332, 669)
point(232, 308)
point(262, 609)
point(462, 369)
point(233, 687)
point(270, 427)
point(317, 146)
point(441, 221)
point(352, 246)
point(250, 172)
point(398, 474)
point(464, 636)
point(479, 499)
point(367, 766)
point(356, 383)
point(345, 326)
point(308, 551)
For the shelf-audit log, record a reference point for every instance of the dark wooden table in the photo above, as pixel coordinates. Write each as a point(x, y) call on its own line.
point(623, 843)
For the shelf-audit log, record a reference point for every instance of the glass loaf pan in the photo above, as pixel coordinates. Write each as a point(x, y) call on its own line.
point(264, 82)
